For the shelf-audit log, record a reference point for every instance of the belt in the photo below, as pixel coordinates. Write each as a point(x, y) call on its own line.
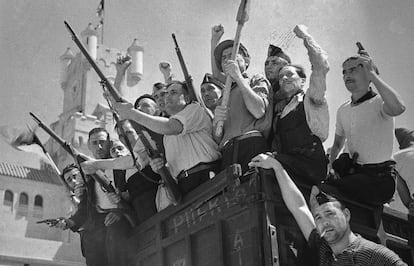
point(198, 168)
point(377, 165)
point(246, 135)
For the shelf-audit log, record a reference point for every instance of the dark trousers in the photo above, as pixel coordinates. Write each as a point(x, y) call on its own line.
point(192, 181)
point(308, 170)
point(144, 205)
point(370, 185)
point(105, 245)
point(242, 151)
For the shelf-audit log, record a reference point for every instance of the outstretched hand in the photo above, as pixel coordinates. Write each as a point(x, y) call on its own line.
point(266, 161)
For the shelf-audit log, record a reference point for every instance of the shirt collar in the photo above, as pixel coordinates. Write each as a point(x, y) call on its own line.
point(370, 94)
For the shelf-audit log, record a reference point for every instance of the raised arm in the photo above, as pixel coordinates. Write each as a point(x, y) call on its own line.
point(256, 98)
point(393, 104)
point(320, 66)
point(217, 32)
point(316, 107)
point(291, 195)
point(160, 125)
point(122, 64)
point(166, 70)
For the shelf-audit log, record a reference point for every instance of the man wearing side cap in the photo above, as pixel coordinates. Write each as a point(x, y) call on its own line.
point(301, 119)
point(326, 224)
point(405, 167)
point(244, 119)
point(211, 90)
point(276, 60)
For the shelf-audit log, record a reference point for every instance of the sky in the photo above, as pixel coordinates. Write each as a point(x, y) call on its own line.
point(33, 38)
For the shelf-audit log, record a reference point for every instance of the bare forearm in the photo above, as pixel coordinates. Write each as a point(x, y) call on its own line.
point(393, 104)
point(252, 100)
point(124, 162)
point(337, 146)
point(214, 69)
point(295, 202)
point(403, 191)
point(119, 82)
point(160, 125)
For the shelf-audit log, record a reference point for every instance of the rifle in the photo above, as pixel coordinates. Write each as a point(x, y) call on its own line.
point(50, 222)
point(169, 182)
point(187, 76)
point(99, 176)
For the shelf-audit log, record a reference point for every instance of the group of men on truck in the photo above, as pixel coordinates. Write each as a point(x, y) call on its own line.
point(271, 122)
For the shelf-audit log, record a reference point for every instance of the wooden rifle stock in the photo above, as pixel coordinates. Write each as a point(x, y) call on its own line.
point(166, 177)
point(170, 183)
point(99, 176)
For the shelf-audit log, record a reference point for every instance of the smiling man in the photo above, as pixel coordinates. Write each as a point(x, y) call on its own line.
point(326, 224)
point(301, 120)
point(366, 123)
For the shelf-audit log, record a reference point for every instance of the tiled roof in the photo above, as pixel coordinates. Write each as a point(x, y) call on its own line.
point(23, 172)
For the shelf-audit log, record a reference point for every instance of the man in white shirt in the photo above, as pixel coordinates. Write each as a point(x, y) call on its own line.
point(189, 146)
point(366, 122)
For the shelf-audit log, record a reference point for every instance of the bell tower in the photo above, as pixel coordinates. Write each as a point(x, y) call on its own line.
point(84, 106)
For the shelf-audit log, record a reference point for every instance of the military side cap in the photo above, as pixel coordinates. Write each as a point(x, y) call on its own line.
point(277, 51)
point(318, 197)
point(218, 51)
point(404, 137)
point(209, 79)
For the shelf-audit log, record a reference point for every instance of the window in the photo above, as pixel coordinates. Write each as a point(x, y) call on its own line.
point(38, 201)
point(24, 200)
point(38, 207)
point(8, 198)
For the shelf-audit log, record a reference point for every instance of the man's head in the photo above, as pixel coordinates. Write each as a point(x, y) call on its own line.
point(292, 78)
point(71, 175)
point(159, 90)
point(222, 53)
point(276, 59)
point(177, 97)
point(146, 103)
point(331, 216)
point(405, 137)
point(354, 76)
point(211, 90)
point(129, 131)
point(99, 143)
point(118, 149)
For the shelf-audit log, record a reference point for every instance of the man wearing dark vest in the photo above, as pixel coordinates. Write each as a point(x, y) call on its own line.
point(301, 120)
